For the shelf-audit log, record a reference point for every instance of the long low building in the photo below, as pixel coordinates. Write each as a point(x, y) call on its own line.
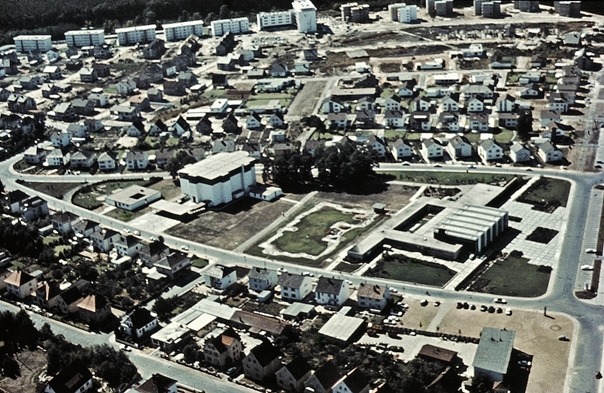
point(31, 43)
point(133, 198)
point(80, 38)
point(180, 31)
point(219, 179)
point(135, 35)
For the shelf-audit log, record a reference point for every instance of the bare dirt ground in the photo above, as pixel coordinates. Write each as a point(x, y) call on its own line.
point(306, 99)
point(395, 198)
point(233, 225)
point(32, 364)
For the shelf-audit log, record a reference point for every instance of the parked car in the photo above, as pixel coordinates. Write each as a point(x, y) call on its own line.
point(500, 300)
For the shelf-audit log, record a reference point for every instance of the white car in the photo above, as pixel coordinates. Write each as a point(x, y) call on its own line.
point(587, 267)
point(500, 300)
point(591, 250)
point(184, 248)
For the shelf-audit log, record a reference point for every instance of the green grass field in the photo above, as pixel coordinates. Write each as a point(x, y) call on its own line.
point(513, 276)
point(448, 178)
point(90, 197)
point(311, 229)
point(552, 191)
point(401, 268)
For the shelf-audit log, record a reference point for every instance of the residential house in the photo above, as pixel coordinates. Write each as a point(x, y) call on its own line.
point(475, 104)
point(253, 121)
point(46, 294)
point(432, 148)
point(302, 67)
point(83, 107)
point(261, 362)
point(548, 152)
point(62, 222)
point(476, 90)
point(546, 117)
point(136, 129)
point(377, 145)
point(125, 87)
point(572, 38)
point(323, 380)
point(223, 145)
point(100, 100)
point(174, 88)
point(93, 125)
point(163, 157)
point(366, 103)
point(155, 95)
point(154, 73)
point(67, 301)
point(448, 121)
point(140, 102)
point(401, 150)
point(224, 349)
point(128, 245)
point(260, 279)
point(20, 103)
point(506, 103)
point(354, 382)
point(459, 147)
point(220, 277)
point(448, 104)
point(478, 122)
point(420, 104)
point(77, 130)
point(278, 70)
point(85, 227)
point(13, 200)
point(57, 158)
point(60, 138)
point(407, 89)
point(104, 239)
point(88, 75)
point(420, 121)
point(75, 378)
point(158, 383)
point(204, 126)
point(294, 287)
point(331, 292)
point(106, 161)
point(230, 125)
point(125, 113)
point(102, 70)
point(137, 160)
point(530, 91)
point(374, 297)
point(332, 105)
point(94, 309)
point(188, 78)
point(537, 61)
point(84, 159)
point(139, 323)
point(181, 126)
point(519, 153)
point(52, 72)
point(154, 50)
point(48, 90)
point(394, 119)
point(172, 263)
point(276, 120)
point(291, 376)
point(365, 118)
point(393, 103)
point(33, 208)
point(34, 155)
point(30, 82)
point(19, 284)
point(157, 128)
point(338, 120)
point(530, 77)
point(489, 150)
point(558, 103)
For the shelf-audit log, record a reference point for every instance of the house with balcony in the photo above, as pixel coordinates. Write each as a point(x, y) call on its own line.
point(260, 279)
point(331, 292)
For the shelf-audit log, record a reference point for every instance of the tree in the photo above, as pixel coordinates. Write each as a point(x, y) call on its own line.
point(190, 353)
point(481, 384)
point(181, 159)
point(209, 18)
point(224, 12)
point(165, 307)
point(525, 124)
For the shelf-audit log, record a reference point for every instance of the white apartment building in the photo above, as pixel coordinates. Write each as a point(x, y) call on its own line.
point(407, 13)
point(80, 38)
point(278, 18)
point(235, 26)
point(29, 43)
point(135, 35)
point(306, 16)
point(182, 30)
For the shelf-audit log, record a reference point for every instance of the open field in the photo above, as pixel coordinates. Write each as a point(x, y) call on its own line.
point(395, 197)
point(125, 215)
point(401, 268)
point(547, 192)
point(306, 99)
point(513, 276)
point(233, 225)
point(56, 190)
point(449, 178)
point(310, 230)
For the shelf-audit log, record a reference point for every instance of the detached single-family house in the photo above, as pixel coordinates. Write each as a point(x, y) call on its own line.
point(253, 121)
point(366, 103)
point(106, 161)
point(46, 294)
point(420, 121)
point(474, 104)
point(373, 296)
point(332, 105)
point(506, 103)
point(546, 117)
point(377, 145)
point(393, 103)
point(172, 263)
point(82, 159)
point(223, 349)
point(137, 160)
point(20, 284)
point(67, 301)
point(432, 148)
point(34, 155)
point(556, 102)
point(448, 104)
point(519, 153)
point(75, 378)
point(548, 152)
point(220, 277)
point(489, 150)
point(104, 239)
point(128, 245)
point(478, 122)
point(57, 158)
point(94, 309)
point(420, 104)
point(291, 376)
point(260, 279)
point(62, 222)
point(139, 323)
point(276, 120)
point(338, 120)
point(394, 119)
point(261, 362)
point(354, 382)
point(530, 91)
point(449, 121)
point(401, 150)
point(158, 383)
point(323, 380)
point(459, 147)
point(331, 292)
point(294, 287)
point(365, 118)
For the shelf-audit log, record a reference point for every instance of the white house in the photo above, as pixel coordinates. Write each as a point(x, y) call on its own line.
point(354, 382)
point(220, 277)
point(401, 150)
point(223, 349)
point(448, 104)
point(475, 105)
point(260, 279)
point(548, 152)
point(377, 145)
point(75, 378)
point(261, 362)
point(394, 119)
point(489, 150)
point(253, 121)
point(20, 284)
point(373, 296)
point(459, 147)
point(332, 105)
point(294, 287)
point(519, 153)
point(393, 103)
point(106, 161)
point(506, 103)
point(291, 376)
point(420, 104)
point(57, 158)
point(432, 148)
point(331, 291)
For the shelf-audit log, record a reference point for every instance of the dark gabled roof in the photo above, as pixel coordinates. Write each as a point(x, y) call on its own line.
point(260, 273)
point(265, 353)
point(140, 317)
point(16, 196)
point(298, 368)
point(291, 280)
point(70, 379)
point(158, 383)
point(84, 225)
point(327, 375)
point(356, 381)
point(71, 294)
point(48, 290)
point(329, 285)
point(64, 217)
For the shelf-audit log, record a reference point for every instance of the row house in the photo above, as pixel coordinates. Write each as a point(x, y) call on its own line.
point(20, 103)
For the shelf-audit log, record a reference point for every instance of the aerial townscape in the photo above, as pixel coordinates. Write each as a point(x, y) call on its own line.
point(310, 197)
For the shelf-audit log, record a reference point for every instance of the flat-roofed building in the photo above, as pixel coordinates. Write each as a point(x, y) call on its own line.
point(274, 19)
point(219, 179)
point(354, 12)
point(494, 352)
point(31, 43)
point(343, 328)
point(182, 30)
point(133, 197)
point(235, 26)
point(80, 38)
point(135, 35)
point(306, 16)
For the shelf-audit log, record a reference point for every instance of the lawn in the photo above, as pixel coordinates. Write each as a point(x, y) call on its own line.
point(448, 178)
point(199, 263)
point(56, 190)
point(504, 137)
point(125, 215)
point(50, 239)
point(402, 268)
point(346, 267)
point(513, 276)
point(214, 93)
point(310, 230)
point(547, 192)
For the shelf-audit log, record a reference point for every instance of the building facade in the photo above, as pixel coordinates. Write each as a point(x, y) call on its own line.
point(135, 35)
point(306, 16)
point(273, 19)
point(182, 30)
point(235, 26)
point(31, 43)
point(80, 38)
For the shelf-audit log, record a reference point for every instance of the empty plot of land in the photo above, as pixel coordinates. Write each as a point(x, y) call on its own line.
point(542, 235)
point(56, 190)
point(449, 178)
point(233, 225)
point(306, 99)
point(401, 268)
point(547, 194)
point(395, 197)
